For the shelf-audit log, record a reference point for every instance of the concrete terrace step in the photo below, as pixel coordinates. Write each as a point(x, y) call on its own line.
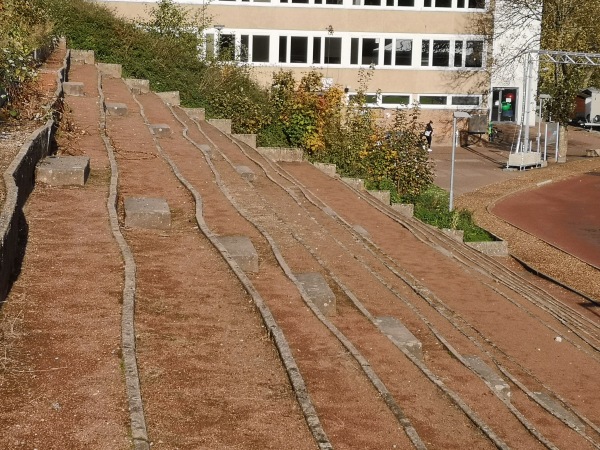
point(69, 280)
point(204, 290)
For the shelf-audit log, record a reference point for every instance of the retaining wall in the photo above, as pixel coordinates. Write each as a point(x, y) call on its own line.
point(19, 180)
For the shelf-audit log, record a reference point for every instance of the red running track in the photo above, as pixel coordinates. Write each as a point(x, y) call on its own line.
point(565, 214)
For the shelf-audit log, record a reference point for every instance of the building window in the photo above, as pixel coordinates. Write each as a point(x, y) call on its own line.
point(403, 52)
point(397, 52)
point(441, 54)
point(282, 49)
point(477, 4)
point(471, 4)
point(316, 50)
point(354, 51)
point(474, 54)
point(298, 49)
point(425, 52)
point(333, 50)
point(227, 47)
point(466, 100)
point(370, 51)
point(244, 47)
point(458, 53)
point(433, 99)
point(395, 99)
point(260, 48)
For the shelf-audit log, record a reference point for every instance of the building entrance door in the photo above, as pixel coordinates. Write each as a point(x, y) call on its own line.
point(504, 101)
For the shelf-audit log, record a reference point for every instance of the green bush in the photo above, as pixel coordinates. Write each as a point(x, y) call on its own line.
point(432, 207)
point(24, 27)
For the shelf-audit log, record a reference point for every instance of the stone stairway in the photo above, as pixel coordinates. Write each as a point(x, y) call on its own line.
point(182, 290)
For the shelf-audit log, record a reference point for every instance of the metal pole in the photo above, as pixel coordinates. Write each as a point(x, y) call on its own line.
point(451, 204)
point(546, 142)
point(539, 138)
point(557, 140)
point(527, 104)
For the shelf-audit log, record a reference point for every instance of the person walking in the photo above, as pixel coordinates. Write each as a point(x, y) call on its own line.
point(428, 134)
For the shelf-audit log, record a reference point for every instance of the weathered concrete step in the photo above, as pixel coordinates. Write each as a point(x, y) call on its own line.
point(246, 172)
point(241, 249)
point(400, 335)
point(161, 129)
point(494, 380)
point(73, 88)
point(63, 170)
point(558, 410)
point(115, 109)
point(147, 212)
point(137, 86)
point(82, 56)
point(318, 292)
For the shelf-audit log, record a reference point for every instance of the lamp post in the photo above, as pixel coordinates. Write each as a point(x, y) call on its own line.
point(457, 115)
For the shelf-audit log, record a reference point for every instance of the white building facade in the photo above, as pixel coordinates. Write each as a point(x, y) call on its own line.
point(420, 51)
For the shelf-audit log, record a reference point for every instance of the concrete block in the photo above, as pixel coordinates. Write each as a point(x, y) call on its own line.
point(558, 410)
point(360, 230)
point(195, 113)
point(110, 70)
point(170, 97)
point(82, 56)
point(405, 209)
point(457, 235)
point(242, 251)
point(161, 129)
point(400, 335)
point(63, 170)
point(494, 248)
point(318, 292)
point(592, 152)
point(223, 125)
point(282, 154)
point(138, 86)
point(356, 183)
point(249, 139)
point(329, 169)
point(73, 88)
point(383, 196)
point(494, 380)
point(147, 212)
point(246, 173)
point(212, 153)
point(330, 212)
point(116, 109)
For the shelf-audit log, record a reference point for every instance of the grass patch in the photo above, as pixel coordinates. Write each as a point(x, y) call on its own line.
point(432, 207)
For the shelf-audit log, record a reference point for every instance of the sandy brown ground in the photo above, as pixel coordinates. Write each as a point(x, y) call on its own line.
point(210, 375)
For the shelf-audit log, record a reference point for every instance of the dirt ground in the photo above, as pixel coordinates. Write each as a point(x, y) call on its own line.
point(210, 373)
